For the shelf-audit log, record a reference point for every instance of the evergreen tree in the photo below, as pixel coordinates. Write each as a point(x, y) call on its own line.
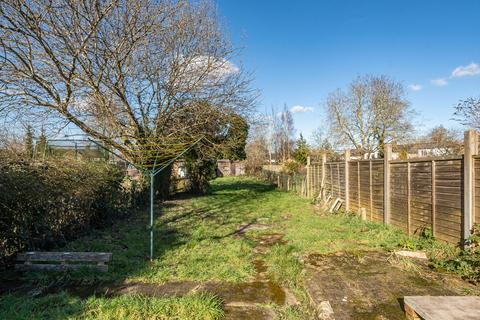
point(302, 151)
point(29, 142)
point(42, 145)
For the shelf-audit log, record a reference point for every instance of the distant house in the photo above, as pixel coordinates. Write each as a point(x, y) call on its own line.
point(425, 150)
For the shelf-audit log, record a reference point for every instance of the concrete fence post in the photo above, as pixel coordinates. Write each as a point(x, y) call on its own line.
point(471, 150)
point(387, 156)
point(347, 179)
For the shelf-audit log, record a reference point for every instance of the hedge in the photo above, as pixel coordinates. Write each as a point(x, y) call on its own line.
point(43, 205)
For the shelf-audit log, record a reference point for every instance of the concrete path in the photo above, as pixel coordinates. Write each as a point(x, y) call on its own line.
point(370, 285)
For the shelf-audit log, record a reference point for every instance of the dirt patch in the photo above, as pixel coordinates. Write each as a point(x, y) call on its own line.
point(260, 269)
point(242, 312)
point(264, 242)
point(368, 286)
point(255, 292)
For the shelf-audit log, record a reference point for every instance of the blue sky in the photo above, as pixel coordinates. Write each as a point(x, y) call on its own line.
point(302, 50)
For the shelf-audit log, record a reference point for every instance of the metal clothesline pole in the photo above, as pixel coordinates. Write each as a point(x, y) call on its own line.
point(152, 173)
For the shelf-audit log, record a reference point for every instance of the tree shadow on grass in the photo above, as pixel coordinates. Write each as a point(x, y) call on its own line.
point(128, 239)
point(256, 186)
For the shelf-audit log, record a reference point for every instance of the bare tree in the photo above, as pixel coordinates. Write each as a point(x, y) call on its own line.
point(321, 143)
point(257, 149)
point(372, 112)
point(284, 132)
point(442, 141)
point(467, 112)
point(129, 73)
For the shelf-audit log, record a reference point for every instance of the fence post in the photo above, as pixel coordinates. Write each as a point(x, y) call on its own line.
point(347, 179)
point(308, 177)
point(471, 149)
point(387, 156)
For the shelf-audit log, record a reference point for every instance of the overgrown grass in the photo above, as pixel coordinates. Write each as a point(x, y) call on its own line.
point(198, 240)
point(63, 306)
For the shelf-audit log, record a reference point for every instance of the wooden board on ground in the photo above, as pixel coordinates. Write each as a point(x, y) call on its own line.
point(61, 261)
point(442, 307)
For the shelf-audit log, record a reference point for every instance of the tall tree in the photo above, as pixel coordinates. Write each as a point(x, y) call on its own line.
point(133, 74)
point(28, 141)
point(42, 145)
point(284, 133)
point(226, 139)
point(372, 112)
point(302, 150)
point(258, 150)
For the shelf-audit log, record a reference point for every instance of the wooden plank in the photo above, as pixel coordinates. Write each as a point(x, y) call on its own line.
point(65, 256)
point(444, 307)
point(428, 159)
point(452, 240)
point(60, 267)
point(410, 313)
point(449, 214)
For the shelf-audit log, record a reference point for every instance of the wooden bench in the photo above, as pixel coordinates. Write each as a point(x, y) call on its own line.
point(62, 261)
point(442, 307)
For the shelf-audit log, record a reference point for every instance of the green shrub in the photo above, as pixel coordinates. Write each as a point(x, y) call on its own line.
point(45, 204)
point(291, 166)
point(467, 262)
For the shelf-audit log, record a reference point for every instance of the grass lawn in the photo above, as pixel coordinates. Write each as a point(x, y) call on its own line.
point(196, 239)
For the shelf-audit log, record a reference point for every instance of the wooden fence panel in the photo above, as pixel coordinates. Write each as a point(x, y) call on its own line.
point(377, 190)
point(341, 180)
point(315, 179)
point(448, 200)
point(353, 185)
point(476, 216)
point(364, 181)
point(423, 192)
point(399, 195)
point(335, 177)
point(421, 195)
point(328, 179)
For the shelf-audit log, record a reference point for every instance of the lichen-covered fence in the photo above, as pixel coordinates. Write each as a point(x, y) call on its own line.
point(442, 194)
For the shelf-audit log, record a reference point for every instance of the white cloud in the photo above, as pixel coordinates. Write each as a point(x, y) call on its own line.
point(209, 67)
point(415, 87)
point(463, 71)
point(440, 82)
point(301, 109)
